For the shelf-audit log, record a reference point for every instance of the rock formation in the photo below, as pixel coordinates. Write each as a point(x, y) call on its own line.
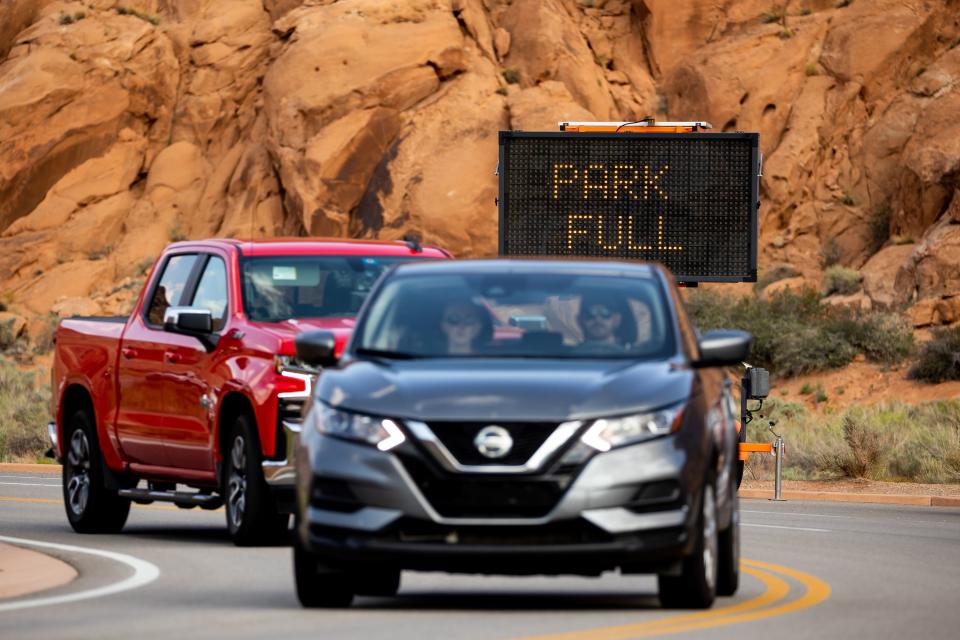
point(125, 125)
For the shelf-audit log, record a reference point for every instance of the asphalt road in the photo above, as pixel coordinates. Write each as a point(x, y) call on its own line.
point(815, 570)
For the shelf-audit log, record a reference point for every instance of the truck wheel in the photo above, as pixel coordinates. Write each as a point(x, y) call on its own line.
point(91, 507)
point(317, 585)
point(696, 586)
point(252, 516)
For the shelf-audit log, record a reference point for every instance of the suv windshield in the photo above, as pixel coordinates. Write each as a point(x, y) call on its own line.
point(279, 288)
point(518, 315)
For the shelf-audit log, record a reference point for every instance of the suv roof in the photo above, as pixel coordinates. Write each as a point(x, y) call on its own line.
point(594, 267)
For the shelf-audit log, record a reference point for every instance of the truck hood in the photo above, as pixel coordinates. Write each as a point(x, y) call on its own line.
point(504, 389)
point(286, 330)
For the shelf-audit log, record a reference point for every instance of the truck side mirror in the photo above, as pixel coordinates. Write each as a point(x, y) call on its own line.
point(316, 348)
point(196, 322)
point(723, 347)
point(188, 320)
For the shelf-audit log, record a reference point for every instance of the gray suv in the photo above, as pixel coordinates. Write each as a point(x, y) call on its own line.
point(519, 417)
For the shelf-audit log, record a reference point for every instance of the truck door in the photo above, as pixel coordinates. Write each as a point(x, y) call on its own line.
point(193, 376)
point(141, 415)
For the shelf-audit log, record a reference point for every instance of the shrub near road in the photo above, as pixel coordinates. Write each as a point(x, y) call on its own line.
point(24, 410)
point(895, 441)
point(795, 334)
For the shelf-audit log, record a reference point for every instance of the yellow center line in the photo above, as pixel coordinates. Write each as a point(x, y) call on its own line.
point(139, 506)
point(775, 591)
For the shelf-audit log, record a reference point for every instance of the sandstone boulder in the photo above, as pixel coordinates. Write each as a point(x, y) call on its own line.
point(880, 273)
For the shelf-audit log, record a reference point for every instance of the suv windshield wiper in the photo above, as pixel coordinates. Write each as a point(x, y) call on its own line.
point(383, 353)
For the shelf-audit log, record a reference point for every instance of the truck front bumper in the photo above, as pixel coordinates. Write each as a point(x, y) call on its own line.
point(52, 452)
point(280, 475)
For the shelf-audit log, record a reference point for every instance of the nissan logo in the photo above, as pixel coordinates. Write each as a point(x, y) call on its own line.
point(493, 441)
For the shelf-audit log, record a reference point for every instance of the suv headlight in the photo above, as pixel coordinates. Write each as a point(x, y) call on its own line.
point(607, 433)
point(384, 433)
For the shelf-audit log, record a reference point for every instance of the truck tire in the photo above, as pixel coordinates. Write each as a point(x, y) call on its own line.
point(91, 507)
point(252, 516)
point(317, 585)
point(696, 586)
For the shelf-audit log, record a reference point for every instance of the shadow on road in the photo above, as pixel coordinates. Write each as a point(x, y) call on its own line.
point(212, 534)
point(513, 601)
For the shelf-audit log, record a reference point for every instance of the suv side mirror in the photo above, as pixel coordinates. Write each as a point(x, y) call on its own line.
point(723, 347)
point(191, 321)
point(316, 348)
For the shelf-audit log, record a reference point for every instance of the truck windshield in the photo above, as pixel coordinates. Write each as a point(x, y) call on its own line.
point(277, 288)
point(525, 315)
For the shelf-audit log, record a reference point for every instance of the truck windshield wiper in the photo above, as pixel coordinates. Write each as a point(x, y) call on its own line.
point(384, 353)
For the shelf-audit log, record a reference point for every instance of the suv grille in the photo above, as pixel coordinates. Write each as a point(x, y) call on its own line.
point(458, 438)
point(463, 496)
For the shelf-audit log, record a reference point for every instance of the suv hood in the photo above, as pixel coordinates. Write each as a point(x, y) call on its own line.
point(504, 389)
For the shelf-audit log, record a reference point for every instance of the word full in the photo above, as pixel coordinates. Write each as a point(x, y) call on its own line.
point(609, 181)
point(617, 236)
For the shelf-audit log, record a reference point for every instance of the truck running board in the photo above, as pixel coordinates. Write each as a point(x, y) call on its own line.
point(185, 499)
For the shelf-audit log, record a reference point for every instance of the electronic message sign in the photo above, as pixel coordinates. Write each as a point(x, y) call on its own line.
point(686, 200)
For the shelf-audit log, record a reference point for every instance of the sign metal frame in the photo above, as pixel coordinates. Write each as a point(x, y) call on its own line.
point(503, 170)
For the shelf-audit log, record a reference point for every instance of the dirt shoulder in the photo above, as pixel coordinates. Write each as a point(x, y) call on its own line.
point(23, 572)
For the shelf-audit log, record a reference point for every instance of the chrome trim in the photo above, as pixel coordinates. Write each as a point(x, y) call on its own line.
point(560, 436)
point(52, 435)
point(619, 520)
point(281, 473)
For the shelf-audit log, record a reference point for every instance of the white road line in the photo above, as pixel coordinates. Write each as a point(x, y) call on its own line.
point(795, 513)
point(143, 573)
point(777, 526)
point(30, 484)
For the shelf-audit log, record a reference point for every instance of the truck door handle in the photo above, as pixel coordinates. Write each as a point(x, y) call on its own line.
point(128, 353)
point(172, 356)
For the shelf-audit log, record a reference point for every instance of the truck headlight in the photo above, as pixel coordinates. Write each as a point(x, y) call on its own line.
point(383, 433)
point(607, 433)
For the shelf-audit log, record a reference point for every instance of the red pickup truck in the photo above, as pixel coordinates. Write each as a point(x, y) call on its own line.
point(200, 386)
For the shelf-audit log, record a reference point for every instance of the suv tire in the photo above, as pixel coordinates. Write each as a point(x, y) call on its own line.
point(317, 585)
point(696, 586)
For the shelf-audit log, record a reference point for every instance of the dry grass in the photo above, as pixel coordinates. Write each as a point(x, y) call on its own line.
point(24, 413)
point(893, 442)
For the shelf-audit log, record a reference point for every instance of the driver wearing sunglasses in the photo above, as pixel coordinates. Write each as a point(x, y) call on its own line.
point(602, 322)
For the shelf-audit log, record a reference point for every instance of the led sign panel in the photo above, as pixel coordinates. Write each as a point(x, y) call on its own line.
point(686, 200)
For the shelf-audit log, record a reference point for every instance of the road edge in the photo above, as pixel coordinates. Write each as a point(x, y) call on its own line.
point(26, 572)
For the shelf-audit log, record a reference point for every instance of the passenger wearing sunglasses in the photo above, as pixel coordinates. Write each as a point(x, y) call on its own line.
point(466, 326)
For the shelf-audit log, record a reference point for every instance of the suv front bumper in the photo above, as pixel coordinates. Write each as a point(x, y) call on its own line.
point(359, 505)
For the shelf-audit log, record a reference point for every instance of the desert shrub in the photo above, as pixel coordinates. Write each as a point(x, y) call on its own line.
point(44, 341)
point(919, 443)
point(939, 359)
point(793, 333)
point(841, 280)
point(7, 339)
point(24, 412)
point(870, 438)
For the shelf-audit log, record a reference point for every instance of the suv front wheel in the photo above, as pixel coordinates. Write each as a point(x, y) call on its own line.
point(696, 586)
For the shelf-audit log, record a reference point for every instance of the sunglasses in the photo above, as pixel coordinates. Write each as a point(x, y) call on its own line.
point(456, 320)
point(596, 313)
